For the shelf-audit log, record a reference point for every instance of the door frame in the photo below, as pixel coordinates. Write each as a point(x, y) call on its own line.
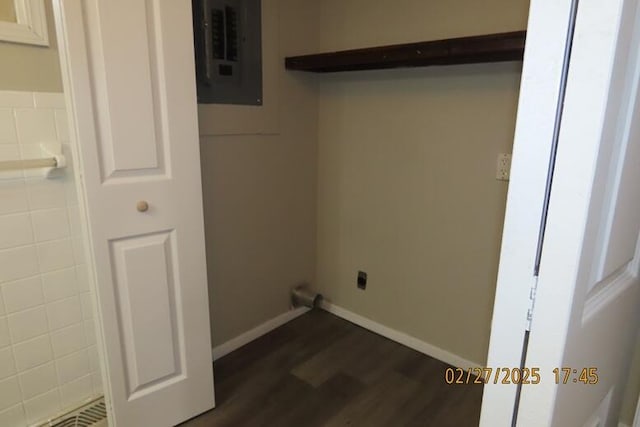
point(540, 91)
point(81, 121)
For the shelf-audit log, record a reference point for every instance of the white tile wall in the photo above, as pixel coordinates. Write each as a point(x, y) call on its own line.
point(8, 133)
point(15, 230)
point(38, 380)
point(48, 100)
point(76, 390)
point(14, 99)
point(42, 406)
point(46, 194)
point(22, 294)
point(63, 313)
point(10, 393)
point(14, 416)
point(27, 324)
point(7, 365)
point(59, 284)
point(48, 357)
point(73, 366)
point(50, 224)
point(68, 340)
point(55, 255)
point(17, 263)
point(5, 340)
point(13, 195)
point(45, 131)
point(32, 353)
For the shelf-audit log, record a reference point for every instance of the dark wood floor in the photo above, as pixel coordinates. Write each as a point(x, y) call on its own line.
point(319, 370)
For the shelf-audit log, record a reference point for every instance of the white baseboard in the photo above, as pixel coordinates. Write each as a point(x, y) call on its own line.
point(400, 337)
point(255, 333)
point(392, 334)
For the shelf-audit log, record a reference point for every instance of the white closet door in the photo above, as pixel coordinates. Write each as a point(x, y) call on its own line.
point(129, 69)
point(587, 301)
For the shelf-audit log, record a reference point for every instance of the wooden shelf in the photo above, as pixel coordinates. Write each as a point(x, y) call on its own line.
point(464, 50)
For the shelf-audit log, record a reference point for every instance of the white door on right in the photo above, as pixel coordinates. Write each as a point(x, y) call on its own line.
point(588, 299)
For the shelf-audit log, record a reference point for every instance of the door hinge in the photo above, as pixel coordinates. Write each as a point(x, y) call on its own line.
point(532, 302)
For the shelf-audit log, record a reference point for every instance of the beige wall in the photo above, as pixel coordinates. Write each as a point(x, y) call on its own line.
point(407, 158)
point(7, 11)
point(31, 68)
point(346, 24)
point(260, 190)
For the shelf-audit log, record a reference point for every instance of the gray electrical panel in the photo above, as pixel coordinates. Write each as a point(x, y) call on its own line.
point(228, 48)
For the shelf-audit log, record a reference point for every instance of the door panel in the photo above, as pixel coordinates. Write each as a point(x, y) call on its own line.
point(129, 67)
point(599, 416)
point(623, 224)
point(127, 38)
point(152, 341)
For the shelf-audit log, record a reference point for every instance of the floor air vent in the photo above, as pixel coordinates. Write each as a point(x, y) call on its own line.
point(93, 414)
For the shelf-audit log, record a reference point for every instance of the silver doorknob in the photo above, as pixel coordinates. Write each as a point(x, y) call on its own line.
point(142, 206)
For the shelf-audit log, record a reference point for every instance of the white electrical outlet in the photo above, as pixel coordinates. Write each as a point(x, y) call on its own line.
point(503, 169)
